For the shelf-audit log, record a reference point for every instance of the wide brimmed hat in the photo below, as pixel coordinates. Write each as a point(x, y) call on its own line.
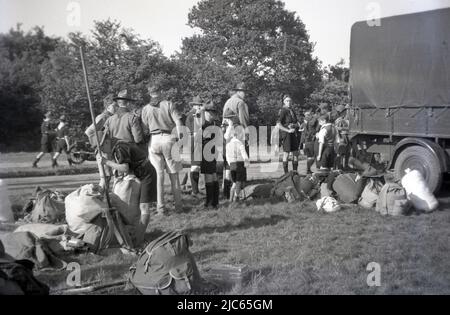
point(124, 95)
point(241, 87)
point(196, 101)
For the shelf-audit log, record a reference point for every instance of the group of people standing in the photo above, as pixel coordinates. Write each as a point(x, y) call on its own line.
point(322, 134)
point(147, 144)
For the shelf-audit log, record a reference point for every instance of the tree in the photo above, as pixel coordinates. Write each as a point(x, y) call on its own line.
point(21, 55)
point(116, 59)
point(257, 41)
point(334, 88)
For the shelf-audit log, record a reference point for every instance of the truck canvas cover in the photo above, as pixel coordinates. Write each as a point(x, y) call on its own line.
point(404, 62)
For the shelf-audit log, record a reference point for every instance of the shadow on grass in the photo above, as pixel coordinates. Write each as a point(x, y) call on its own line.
point(246, 223)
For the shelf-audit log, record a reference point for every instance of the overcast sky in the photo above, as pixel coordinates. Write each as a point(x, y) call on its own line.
point(327, 21)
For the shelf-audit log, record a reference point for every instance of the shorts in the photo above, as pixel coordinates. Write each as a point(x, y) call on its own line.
point(328, 157)
point(309, 149)
point(148, 184)
point(208, 167)
point(238, 172)
point(61, 145)
point(164, 154)
point(46, 144)
point(291, 142)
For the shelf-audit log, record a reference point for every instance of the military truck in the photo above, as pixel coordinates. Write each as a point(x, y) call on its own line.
point(400, 92)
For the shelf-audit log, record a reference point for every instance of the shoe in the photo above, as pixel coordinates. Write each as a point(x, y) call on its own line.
point(34, 164)
point(54, 163)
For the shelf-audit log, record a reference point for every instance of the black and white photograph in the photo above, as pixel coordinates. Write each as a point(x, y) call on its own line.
point(224, 152)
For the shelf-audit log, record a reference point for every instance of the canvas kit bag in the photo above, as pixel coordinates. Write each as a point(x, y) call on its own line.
point(166, 267)
point(392, 200)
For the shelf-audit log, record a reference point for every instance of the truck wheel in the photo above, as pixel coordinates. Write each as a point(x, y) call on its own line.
point(423, 160)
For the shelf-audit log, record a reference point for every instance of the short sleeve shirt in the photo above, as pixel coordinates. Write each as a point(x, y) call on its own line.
point(160, 117)
point(125, 126)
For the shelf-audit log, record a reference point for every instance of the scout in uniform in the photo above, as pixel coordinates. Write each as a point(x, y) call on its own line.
point(236, 104)
point(289, 134)
point(160, 118)
point(194, 124)
point(209, 157)
point(236, 154)
point(326, 138)
point(343, 148)
point(124, 125)
point(110, 108)
point(309, 138)
point(129, 158)
point(47, 137)
point(62, 141)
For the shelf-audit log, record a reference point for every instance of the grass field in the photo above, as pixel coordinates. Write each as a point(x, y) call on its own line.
point(293, 249)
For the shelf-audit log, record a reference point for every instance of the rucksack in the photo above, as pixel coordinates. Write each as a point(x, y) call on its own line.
point(19, 279)
point(47, 208)
point(348, 187)
point(370, 194)
point(166, 267)
point(392, 200)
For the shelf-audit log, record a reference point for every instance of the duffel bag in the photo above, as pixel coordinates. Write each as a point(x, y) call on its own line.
point(349, 187)
point(392, 200)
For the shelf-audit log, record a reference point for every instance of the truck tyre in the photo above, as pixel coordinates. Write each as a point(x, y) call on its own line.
point(423, 160)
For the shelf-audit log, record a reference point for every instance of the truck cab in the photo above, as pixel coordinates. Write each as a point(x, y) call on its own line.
point(400, 92)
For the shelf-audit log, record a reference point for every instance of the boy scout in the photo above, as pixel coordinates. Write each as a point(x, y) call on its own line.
point(235, 104)
point(124, 125)
point(159, 119)
point(194, 124)
point(343, 148)
point(326, 138)
point(62, 141)
point(47, 137)
point(110, 108)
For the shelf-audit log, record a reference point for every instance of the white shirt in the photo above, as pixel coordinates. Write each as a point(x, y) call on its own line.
point(323, 133)
point(235, 152)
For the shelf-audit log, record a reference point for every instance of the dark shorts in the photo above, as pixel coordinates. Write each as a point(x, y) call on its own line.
point(208, 167)
point(309, 149)
point(195, 147)
point(61, 146)
point(147, 176)
point(291, 142)
point(328, 157)
point(238, 172)
point(46, 144)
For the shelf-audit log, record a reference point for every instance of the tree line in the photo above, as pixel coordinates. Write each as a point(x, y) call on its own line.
point(255, 41)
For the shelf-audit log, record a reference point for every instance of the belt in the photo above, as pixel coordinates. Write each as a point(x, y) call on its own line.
point(161, 132)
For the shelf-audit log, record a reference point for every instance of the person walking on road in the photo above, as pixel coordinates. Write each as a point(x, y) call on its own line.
point(163, 122)
point(62, 141)
point(47, 138)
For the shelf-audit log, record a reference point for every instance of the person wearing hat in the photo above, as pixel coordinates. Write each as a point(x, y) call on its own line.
point(110, 108)
point(236, 107)
point(62, 141)
point(342, 125)
point(162, 121)
point(289, 127)
point(194, 124)
point(124, 125)
point(47, 137)
point(208, 166)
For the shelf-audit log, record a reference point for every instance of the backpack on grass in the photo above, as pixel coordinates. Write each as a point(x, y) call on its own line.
point(166, 267)
point(392, 200)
